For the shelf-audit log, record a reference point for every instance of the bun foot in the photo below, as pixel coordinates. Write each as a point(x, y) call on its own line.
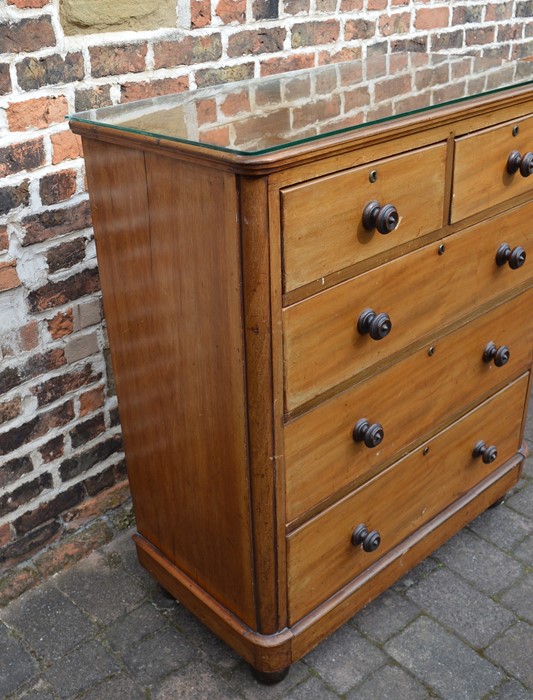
point(266, 678)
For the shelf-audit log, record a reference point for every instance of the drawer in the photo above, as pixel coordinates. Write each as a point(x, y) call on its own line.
point(421, 292)
point(321, 557)
point(480, 177)
point(407, 400)
point(322, 219)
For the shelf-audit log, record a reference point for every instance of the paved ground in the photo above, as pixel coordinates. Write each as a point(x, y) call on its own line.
point(459, 626)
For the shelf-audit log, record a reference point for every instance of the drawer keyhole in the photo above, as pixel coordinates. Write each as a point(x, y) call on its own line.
point(488, 453)
point(369, 540)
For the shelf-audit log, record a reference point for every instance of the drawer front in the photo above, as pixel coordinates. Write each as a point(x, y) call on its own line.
point(322, 220)
point(421, 292)
point(321, 557)
point(480, 178)
point(407, 401)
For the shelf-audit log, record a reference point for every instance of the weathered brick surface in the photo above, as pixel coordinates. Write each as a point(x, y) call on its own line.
point(113, 60)
point(66, 254)
point(57, 187)
point(17, 157)
point(5, 79)
point(189, 50)
point(9, 278)
point(255, 42)
point(152, 88)
point(57, 293)
point(29, 34)
point(56, 222)
point(34, 73)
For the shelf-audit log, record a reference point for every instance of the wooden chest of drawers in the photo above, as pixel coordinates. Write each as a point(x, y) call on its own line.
point(322, 338)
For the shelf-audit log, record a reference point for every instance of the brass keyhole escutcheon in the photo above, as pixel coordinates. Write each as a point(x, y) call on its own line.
point(373, 176)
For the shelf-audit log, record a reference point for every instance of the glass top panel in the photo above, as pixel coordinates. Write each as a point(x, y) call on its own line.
point(263, 115)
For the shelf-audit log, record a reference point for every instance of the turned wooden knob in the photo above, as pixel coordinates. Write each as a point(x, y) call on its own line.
point(501, 355)
point(515, 257)
point(369, 540)
point(376, 325)
point(517, 162)
point(488, 453)
point(383, 218)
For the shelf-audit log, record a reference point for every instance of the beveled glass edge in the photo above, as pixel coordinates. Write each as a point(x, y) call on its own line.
point(191, 95)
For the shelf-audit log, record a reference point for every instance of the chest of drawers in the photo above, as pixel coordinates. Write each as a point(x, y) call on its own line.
point(320, 312)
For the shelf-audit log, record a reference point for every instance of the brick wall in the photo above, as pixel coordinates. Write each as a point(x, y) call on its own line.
point(61, 467)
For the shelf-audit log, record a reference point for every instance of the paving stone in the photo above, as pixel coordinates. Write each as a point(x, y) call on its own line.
point(84, 667)
point(527, 470)
point(123, 546)
point(134, 626)
point(487, 567)
point(385, 616)
point(511, 690)
point(102, 592)
point(312, 689)
point(48, 621)
point(243, 682)
point(419, 572)
point(389, 683)
point(523, 501)
point(520, 598)
point(345, 658)
point(514, 652)
point(16, 666)
point(157, 656)
point(441, 661)
point(197, 680)
point(218, 651)
point(524, 551)
point(473, 615)
point(118, 688)
point(39, 690)
point(502, 526)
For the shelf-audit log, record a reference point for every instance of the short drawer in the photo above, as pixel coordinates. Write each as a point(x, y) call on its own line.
point(321, 556)
point(420, 292)
point(322, 220)
point(481, 179)
point(404, 402)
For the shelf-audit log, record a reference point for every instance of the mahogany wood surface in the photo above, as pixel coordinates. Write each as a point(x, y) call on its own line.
point(421, 292)
point(480, 175)
point(232, 286)
point(322, 219)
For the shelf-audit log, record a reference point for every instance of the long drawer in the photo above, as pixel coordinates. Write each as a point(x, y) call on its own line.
point(406, 401)
point(480, 178)
point(322, 219)
point(421, 292)
point(321, 556)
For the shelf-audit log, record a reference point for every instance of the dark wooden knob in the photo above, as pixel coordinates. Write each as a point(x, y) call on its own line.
point(515, 257)
point(488, 453)
point(376, 325)
point(383, 218)
point(370, 433)
point(517, 162)
point(501, 355)
point(369, 540)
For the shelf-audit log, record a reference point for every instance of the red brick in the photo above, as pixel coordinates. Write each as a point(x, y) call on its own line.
point(37, 113)
point(57, 293)
point(8, 411)
point(498, 11)
point(65, 146)
point(36, 427)
point(216, 136)
point(265, 9)
point(200, 13)
point(61, 325)
point(480, 35)
point(272, 66)
point(4, 239)
point(23, 548)
point(66, 254)
point(206, 111)
point(346, 54)
point(5, 79)
point(266, 40)
point(57, 187)
point(351, 5)
point(91, 401)
point(236, 102)
point(314, 33)
point(321, 109)
point(25, 493)
point(395, 24)
point(56, 222)
point(41, 363)
point(5, 534)
point(114, 60)
point(359, 29)
point(295, 7)
point(54, 388)
point(187, 51)
point(130, 92)
point(49, 510)
point(15, 582)
point(432, 17)
point(29, 336)
point(27, 35)
point(34, 73)
point(23, 4)
point(9, 278)
point(227, 74)
point(231, 11)
point(14, 196)
point(376, 4)
point(92, 98)
point(392, 87)
point(27, 155)
point(92, 508)
point(53, 449)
